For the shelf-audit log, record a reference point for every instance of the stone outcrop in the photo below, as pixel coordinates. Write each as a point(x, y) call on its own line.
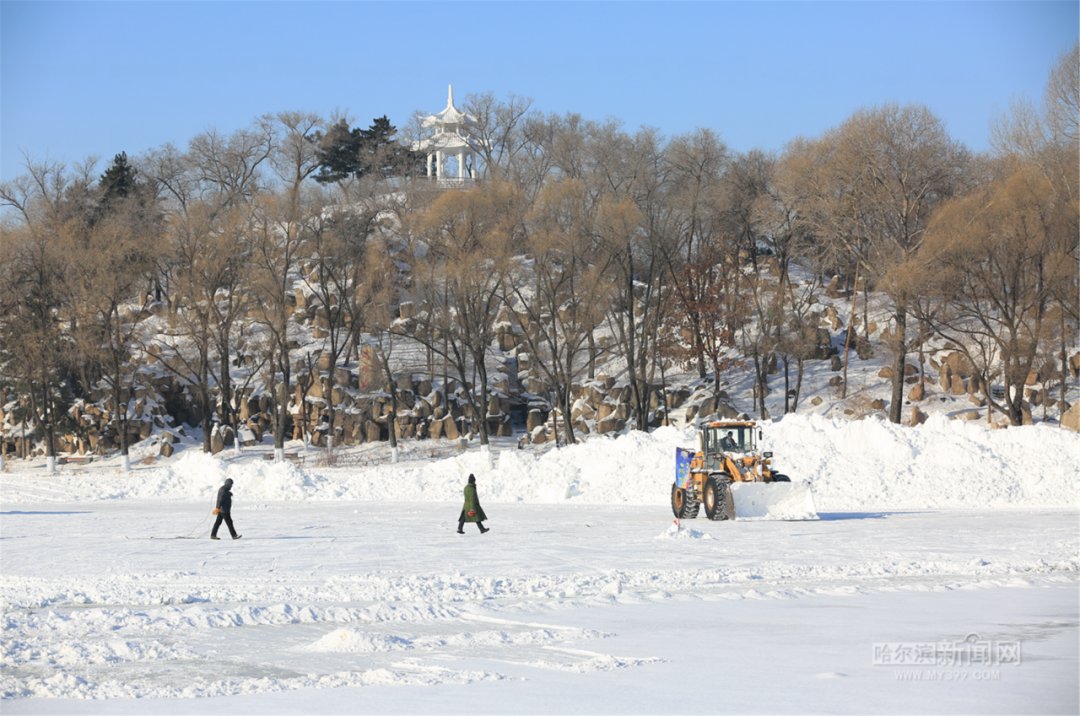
point(1071, 418)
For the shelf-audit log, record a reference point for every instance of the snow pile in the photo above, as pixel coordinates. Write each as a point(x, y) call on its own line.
point(859, 465)
point(676, 531)
point(198, 475)
point(943, 463)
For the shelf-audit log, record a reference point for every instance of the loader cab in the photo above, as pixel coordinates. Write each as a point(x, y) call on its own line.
point(718, 438)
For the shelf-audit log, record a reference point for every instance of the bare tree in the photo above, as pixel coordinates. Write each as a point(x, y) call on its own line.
point(557, 294)
point(107, 263)
point(997, 261)
point(499, 131)
point(205, 263)
point(335, 277)
point(632, 313)
point(229, 167)
point(209, 191)
point(277, 229)
point(697, 164)
point(887, 169)
point(782, 215)
point(1062, 98)
point(799, 341)
point(48, 203)
point(380, 296)
point(1050, 142)
point(467, 234)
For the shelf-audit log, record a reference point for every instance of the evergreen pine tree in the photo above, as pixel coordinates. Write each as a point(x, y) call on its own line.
point(339, 153)
point(375, 151)
point(118, 181)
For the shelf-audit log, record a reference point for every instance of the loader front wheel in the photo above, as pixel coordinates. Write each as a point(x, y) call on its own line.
point(678, 501)
point(683, 504)
point(780, 478)
point(714, 498)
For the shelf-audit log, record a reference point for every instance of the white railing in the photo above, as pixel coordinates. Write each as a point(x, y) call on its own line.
point(450, 182)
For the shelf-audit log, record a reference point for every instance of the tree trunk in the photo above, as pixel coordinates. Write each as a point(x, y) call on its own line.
point(484, 399)
point(592, 356)
point(849, 333)
point(799, 367)
point(1064, 366)
point(122, 419)
point(896, 405)
point(392, 415)
point(568, 422)
point(204, 399)
point(225, 387)
point(329, 396)
point(787, 386)
point(761, 384)
point(281, 410)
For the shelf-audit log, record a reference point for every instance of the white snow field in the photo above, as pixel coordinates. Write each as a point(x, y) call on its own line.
point(943, 576)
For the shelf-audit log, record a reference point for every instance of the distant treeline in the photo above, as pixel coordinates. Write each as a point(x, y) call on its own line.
point(288, 247)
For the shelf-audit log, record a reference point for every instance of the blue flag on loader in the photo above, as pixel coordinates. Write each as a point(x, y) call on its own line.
point(682, 466)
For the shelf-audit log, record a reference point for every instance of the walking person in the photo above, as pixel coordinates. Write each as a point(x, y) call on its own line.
point(223, 510)
point(472, 511)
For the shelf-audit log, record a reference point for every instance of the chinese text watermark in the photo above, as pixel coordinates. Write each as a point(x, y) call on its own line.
point(972, 658)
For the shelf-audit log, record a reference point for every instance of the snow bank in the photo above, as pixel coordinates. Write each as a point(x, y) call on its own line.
point(198, 475)
point(862, 465)
point(943, 463)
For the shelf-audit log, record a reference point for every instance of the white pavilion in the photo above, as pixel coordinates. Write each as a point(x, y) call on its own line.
point(450, 153)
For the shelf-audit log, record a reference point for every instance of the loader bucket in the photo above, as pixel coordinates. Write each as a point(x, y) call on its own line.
point(773, 501)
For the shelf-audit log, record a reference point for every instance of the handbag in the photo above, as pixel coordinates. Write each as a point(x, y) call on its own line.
point(216, 511)
point(471, 513)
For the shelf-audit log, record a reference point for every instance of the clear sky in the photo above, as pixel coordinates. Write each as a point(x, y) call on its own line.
point(97, 78)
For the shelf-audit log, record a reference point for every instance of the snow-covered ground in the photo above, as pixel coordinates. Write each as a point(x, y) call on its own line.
point(941, 577)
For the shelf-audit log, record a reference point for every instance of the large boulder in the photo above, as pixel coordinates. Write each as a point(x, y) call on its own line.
point(610, 424)
point(450, 428)
point(958, 363)
point(535, 419)
point(604, 410)
point(832, 317)
point(217, 441)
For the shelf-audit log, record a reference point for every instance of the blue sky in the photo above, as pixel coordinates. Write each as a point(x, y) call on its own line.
point(94, 78)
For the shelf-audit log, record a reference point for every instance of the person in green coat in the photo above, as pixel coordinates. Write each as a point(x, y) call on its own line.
point(472, 511)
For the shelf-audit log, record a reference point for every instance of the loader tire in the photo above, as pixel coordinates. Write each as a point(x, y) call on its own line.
point(693, 504)
point(715, 498)
point(781, 478)
point(683, 505)
point(678, 501)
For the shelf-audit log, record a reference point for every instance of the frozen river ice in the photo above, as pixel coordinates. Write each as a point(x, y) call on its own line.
point(347, 607)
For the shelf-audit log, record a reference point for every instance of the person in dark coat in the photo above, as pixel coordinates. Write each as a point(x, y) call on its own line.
point(728, 442)
point(472, 511)
point(223, 510)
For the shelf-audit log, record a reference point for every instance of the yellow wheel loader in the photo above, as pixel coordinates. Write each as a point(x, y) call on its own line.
point(732, 478)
